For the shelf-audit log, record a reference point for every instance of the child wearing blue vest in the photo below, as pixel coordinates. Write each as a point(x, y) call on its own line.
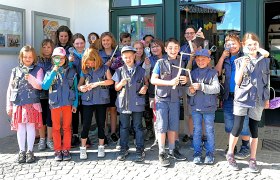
point(157, 52)
point(75, 60)
point(61, 82)
point(131, 85)
point(107, 45)
point(94, 82)
point(226, 68)
point(203, 101)
point(23, 102)
point(45, 62)
point(251, 96)
point(167, 97)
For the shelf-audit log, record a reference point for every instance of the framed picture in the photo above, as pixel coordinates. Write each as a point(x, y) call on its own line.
point(45, 26)
point(12, 29)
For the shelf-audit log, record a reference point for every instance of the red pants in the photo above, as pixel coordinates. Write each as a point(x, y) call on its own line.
point(66, 112)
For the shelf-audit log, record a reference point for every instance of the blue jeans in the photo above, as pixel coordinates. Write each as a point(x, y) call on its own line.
point(138, 128)
point(208, 118)
point(229, 118)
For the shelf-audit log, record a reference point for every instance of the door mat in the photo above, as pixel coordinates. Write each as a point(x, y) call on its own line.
point(271, 145)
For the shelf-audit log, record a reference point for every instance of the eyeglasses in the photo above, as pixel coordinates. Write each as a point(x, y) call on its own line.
point(190, 33)
point(157, 46)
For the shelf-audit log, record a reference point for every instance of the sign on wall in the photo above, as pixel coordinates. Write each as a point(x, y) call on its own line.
point(45, 26)
point(12, 29)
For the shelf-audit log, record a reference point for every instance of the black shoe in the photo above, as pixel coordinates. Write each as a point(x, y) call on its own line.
point(66, 155)
point(186, 138)
point(175, 154)
point(177, 145)
point(21, 157)
point(243, 153)
point(75, 141)
point(58, 156)
point(114, 137)
point(140, 155)
point(163, 159)
point(122, 155)
point(30, 158)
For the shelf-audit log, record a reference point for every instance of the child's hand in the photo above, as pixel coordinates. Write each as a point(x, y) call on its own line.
point(74, 109)
point(71, 58)
point(92, 85)
point(174, 81)
point(192, 90)
point(266, 104)
point(143, 90)
point(83, 88)
point(245, 61)
point(113, 59)
point(225, 54)
point(147, 61)
point(123, 82)
point(26, 76)
point(183, 79)
point(200, 34)
point(196, 86)
point(10, 112)
point(55, 68)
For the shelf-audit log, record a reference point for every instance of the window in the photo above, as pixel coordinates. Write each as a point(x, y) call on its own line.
point(215, 19)
point(121, 3)
point(137, 25)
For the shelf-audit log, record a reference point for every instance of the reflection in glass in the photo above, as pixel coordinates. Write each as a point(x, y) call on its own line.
point(215, 19)
point(137, 25)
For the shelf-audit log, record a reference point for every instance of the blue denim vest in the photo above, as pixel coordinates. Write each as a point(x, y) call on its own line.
point(255, 84)
point(77, 64)
point(186, 49)
point(128, 99)
point(46, 65)
point(201, 101)
point(167, 72)
point(227, 74)
point(99, 94)
point(62, 92)
point(22, 92)
point(151, 89)
point(106, 57)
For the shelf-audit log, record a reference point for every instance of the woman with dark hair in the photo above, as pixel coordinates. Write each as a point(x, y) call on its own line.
point(63, 38)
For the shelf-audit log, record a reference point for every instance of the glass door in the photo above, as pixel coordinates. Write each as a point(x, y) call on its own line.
point(138, 22)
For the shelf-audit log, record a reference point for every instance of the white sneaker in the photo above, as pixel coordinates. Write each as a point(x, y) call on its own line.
point(83, 153)
point(50, 144)
point(118, 146)
point(101, 151)
point(42, 144)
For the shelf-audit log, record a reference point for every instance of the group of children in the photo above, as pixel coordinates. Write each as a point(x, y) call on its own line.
point(101, 78)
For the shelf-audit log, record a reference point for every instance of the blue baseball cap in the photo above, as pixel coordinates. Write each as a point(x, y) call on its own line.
point(128, 48)
point(202, 52)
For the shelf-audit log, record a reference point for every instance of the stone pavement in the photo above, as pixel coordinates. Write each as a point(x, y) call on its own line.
point(109, 168)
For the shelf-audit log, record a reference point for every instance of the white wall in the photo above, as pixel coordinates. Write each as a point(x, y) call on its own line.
point(91, 15)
